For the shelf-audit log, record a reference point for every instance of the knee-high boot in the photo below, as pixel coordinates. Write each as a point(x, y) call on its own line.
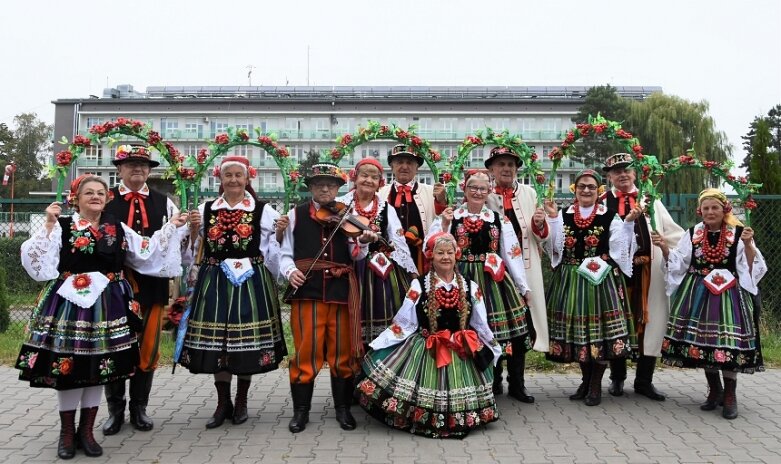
point(224, 405)
point(66, 447)
point(497, 387)
point(240, 414)
point(617, 376)
point(115, 399)
point(595, 384)
point(516, 365)
point(140, 386)
point(342, 390)
point(86, 440)
point(302, 403)
point(715, 391)
point(730, 410)
point(582, 391)
point(644, 378)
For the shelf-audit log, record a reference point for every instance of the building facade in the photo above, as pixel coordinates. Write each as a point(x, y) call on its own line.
point(311, 118)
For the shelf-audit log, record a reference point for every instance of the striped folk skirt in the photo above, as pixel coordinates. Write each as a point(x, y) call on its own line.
point(237, 329)
point(711, 331)
point(404, 389)
point(74, 347)
point(588, 322)
point(381, 297)
point(505, 307)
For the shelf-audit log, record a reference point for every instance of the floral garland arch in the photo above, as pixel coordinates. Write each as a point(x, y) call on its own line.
point(188, 171)
point(64, 159)
point(347, 143)
point(531, 164)
point(653, 173)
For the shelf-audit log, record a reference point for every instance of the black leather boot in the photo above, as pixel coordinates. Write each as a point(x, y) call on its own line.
point(115, 399)
point(240, 414)
point(516, 365)
point(341, 390)
point(497, 385)
point(730, 410)
point(582, 391)
point(86, 440)
point(715, 392)
point(617, 376)
point(140, 386)
point(644, 378)
point(594, 396)
point(302, 403)
point(224, 405)
point(66, 447)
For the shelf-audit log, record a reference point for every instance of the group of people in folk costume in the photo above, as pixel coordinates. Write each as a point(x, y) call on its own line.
point(415, 313)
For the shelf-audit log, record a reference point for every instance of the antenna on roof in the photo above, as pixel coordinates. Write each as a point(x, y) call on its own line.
point(249, 74)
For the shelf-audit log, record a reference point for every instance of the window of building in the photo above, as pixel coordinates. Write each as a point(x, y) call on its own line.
point(475, 124)
point(244, 123)
point(93, 121)
point(370, 152)
point(113, 178)
point(169, 127)
point(219, 126)
point(94, 153)
point(526, 124)
point(268, 181)
point(213, 183)
point(448, 127)
point(321, 130)
point(476, 157)
point(242, 150)
point(191, 150)
point(426, 179)
point(193, 128)
point(501, 124)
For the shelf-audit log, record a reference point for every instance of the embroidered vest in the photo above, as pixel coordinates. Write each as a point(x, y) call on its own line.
point(242, 240)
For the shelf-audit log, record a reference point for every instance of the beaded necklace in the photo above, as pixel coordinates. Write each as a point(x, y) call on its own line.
point(446, 299)
point(473, 224)
point(580, 221)
point(228, 220)
point(715, 255)
point(372, 213)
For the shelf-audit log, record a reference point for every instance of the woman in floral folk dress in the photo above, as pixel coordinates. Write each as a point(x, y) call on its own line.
point(430, 372)
point(589, 317)
point(80, 332)
point(711, 276)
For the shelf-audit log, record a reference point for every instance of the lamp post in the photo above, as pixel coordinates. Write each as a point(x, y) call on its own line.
point(9, 172)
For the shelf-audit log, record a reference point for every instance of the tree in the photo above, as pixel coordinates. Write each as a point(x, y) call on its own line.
point(30, 148)
point(606, 101)
point(667, 126)
point(773, 119)
point(764, 167)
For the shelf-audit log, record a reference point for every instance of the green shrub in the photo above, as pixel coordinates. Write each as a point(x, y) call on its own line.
point(5, 316)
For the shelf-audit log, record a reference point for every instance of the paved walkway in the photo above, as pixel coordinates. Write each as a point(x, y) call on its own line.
point(554, 429)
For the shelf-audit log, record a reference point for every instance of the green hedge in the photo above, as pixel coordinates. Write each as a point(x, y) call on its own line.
point(10, 260)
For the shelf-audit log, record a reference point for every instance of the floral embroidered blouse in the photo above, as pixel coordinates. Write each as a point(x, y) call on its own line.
point(158, 255)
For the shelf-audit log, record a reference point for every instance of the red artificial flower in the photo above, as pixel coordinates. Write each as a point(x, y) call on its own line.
point(222, 139)
point(153, 138)
point(621, 133)
point(570, 137)
point(63, 158)
point(435, 156)
point(600, 128)
point(346, 139)
point(202, 155)
point(474, 140)
point(336, 154)
point(243, 136)
point(264, 139)
point(283, 153)
point(244, 230)
point(416, 141)
point(294, 176)
point(534, 156)
point(401, 134)
point(750, 203)
point(122, 121)
point(81, 141)
point(81, 281)
point(540, 178)
point(637, 148)
point(684, 159)
point(447, 177)
point(384, 129)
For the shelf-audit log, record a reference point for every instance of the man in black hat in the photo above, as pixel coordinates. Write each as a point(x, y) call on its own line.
point(519, 203)
point(145, 211)
point(325, 308)
point(416, 204)
point(647, 298)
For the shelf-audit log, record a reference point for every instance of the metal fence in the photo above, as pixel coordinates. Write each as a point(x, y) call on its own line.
point(23, 291)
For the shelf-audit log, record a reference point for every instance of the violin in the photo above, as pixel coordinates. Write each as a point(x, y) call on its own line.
point(352, 226)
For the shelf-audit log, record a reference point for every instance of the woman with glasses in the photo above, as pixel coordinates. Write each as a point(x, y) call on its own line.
point(490, 256)
point(589, 317)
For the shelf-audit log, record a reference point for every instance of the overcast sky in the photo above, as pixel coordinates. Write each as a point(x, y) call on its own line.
point(725, 52)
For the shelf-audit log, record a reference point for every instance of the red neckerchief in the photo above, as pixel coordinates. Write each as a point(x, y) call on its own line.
point(507, 196)
point(622, 204)
point(403, 189)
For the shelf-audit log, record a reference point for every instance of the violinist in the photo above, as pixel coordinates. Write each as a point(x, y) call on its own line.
point(385, 273)
point(318, 262)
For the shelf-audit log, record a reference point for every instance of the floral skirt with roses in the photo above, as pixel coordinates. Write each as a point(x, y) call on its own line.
point(73, 347)
point(404, 389)
point(588, 322)
point(237, 329)
point(712, 331)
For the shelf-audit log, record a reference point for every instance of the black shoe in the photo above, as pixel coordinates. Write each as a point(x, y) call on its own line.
point(730, 410)
point(115, 399)
point(715, 392)
point(497, 387)
point(302, 402)
point(85, 439)
point(66, 446)
point(616, 388)
point(649, 391)
point(240, 414)
point(594, 396)
point(516, 365)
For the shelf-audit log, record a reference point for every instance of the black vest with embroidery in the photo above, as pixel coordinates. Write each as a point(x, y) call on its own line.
point(474, 246)
point(698, 263)
point(151, 290)
point(591, 241)
point(241, 240)
point(449, 318)
point(308, 237)
point(85, 251)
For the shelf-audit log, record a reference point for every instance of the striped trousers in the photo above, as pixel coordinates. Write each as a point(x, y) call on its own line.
point(321, 332)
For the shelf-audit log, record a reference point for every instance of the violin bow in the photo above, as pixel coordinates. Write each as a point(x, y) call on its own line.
point(289, 294)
